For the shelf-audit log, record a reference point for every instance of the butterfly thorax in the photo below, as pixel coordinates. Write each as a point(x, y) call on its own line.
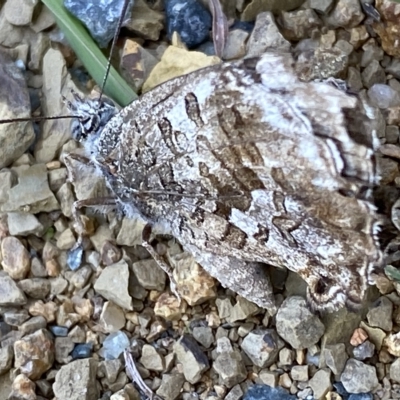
point(92, 116)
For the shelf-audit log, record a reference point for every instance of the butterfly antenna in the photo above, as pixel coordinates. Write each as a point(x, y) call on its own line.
point(7, 121)
point(113, 44)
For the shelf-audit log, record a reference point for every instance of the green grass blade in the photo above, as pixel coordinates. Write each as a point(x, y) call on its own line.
point(90, 55)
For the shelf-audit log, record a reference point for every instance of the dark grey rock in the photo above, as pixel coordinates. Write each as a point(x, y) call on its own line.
point(262, 392)
point(60, 331)
point(82, 350)
point(190, 19)
point(101, 18)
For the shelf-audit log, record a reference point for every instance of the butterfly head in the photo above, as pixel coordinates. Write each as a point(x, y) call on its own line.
point(91, 116)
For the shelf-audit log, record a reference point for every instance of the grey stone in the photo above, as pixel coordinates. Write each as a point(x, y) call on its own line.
point(10, 293)
point(113, 284)
point(15, 317)
point(354, 79)
point(394, 68)
point(358, 377)
point(244, 329)
point(364, 350)
point(171, 385)
point(269, 378)
point(38, 270)
point(335, 357)
point(110, 369)
point(297, 25)
point(266, 36)
point(120, 382)
point(151, 360)
point(395, 371)
point(19, 12)
point(6, 359)
point(15, 103)
point(243, 309)
point(299, 373)
point(229, 364)
point(295, 285)
point(66, 240)
point(235, 46)
point(371, 52)
point(63, 346)
point(320, 383)
point(204, 335)
point(321, 6)
point(224, 307)
point(286, 357)
point(58, 285)
point(262, 347)
point(297, 325)
point(345, 47)
point(193, 360)
point(22, 224)
point(346, 14)
point(324, 63)
point(80, 278)
point(32, 193)
point(380, 314)
point(37, 288)
point(236, 393)
point(56, 82)
point(373, 74)
point(392, 134)
point(33, 324)
point(112, 317)
point(255, 7)
point(57, 178)
point(147, 22)
point(130, 233)
point(77, 381)
point(149, 274)
point(383, 96)
point(66, 198)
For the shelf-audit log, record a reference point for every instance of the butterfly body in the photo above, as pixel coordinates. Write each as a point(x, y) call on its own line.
point(245, 165)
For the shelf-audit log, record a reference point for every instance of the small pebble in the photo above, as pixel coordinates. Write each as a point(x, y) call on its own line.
point(82, 350)
point(60, 331)
point(190, 19)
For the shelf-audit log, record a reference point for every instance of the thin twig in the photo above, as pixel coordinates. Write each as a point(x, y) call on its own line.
point(219, 27)
point(136, 378)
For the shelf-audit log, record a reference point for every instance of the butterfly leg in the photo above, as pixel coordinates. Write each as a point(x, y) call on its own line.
point(75, 254)
point(159, 260)
point(248, 279)
point(77, 157)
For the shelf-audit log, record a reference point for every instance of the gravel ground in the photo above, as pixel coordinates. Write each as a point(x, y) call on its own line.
point(63, 332)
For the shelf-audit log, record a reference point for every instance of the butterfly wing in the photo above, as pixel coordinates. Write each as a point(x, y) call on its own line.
point(244, 160)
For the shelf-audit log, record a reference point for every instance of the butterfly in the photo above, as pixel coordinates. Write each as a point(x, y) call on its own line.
point(247, 166)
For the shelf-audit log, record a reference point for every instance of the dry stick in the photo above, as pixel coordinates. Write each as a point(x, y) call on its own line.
point(159, 260)
point(136, 378)
point(219, 26)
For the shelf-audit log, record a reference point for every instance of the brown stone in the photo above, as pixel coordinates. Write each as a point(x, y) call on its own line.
point(16, 260)
point(34, 354)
